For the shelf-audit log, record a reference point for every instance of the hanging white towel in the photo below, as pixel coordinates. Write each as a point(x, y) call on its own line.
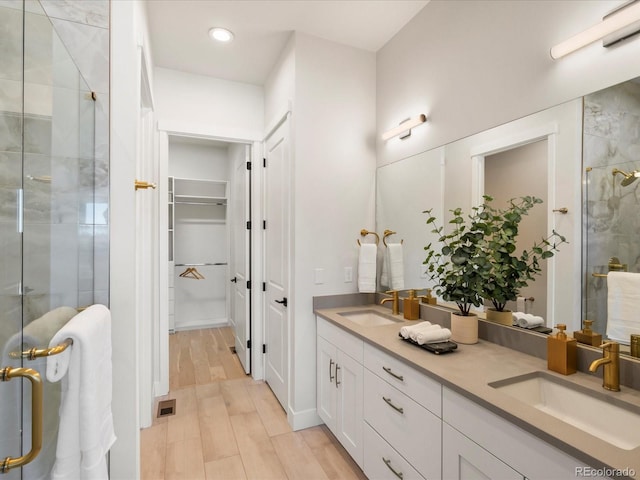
point(384, 276)
point(37, 333)
point(396, 266)
point(623, 306)
point(86, 422)
point(367, 268)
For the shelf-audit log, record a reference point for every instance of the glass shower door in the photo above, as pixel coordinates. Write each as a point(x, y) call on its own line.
point(48, 219)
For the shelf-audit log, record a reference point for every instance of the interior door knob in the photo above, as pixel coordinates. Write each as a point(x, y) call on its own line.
point(282, 302)
point(234, 280)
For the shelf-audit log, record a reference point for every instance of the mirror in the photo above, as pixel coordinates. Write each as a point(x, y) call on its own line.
point(453, 176)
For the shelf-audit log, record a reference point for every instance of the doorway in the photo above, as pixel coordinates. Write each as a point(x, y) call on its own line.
point(209, 237)
point(515, 173)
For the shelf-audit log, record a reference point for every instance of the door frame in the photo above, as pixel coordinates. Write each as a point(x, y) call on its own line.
point(548, 132)
point(222, 135)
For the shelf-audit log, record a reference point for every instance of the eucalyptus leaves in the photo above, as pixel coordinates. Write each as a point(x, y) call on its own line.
point(477, 259)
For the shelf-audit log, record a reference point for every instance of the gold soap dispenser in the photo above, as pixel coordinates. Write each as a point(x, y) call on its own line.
point(562, 352)
point(411, 306)
point(587, 335)
point(428, 298)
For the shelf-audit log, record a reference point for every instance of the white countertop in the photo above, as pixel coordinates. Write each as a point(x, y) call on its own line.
point(469, 369)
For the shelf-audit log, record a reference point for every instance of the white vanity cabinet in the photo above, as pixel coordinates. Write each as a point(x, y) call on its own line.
point(463, 459)
point(339, 386)
point(478, 440)
point(402, 406)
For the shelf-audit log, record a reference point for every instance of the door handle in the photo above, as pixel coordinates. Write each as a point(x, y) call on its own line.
point(282, 302)
point(144, 185)
point(7, 374)
point(234, 280)
point(331, 375)
point(338, 382)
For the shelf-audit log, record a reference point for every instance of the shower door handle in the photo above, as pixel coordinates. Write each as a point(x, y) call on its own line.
point(6, 374)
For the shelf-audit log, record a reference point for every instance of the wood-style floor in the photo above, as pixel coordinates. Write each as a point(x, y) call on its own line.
point(228, 426)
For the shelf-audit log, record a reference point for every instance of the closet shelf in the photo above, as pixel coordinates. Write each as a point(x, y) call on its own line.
point(200, 264)
point(199, 200)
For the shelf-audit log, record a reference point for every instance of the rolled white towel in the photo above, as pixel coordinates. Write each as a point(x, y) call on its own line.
point(406, 330)
point(433, 336)
point(527, 320)
point(413, 334)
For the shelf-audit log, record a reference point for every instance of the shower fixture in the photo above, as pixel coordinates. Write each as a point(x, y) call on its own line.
point(629, 178)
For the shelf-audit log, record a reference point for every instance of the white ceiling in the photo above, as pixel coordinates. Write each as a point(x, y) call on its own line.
point(179, 38)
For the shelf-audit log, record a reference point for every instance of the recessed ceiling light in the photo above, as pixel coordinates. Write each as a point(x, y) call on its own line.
point(221, 34)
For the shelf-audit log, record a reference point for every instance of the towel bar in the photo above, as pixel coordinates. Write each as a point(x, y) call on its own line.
point(386, 234)
point(35, 352)
point(364, 232)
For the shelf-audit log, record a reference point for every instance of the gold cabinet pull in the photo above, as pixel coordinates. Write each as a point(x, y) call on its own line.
point(7, 374)
point(144, 185)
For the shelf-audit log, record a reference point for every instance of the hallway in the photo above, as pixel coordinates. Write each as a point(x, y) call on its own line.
point(228, 426)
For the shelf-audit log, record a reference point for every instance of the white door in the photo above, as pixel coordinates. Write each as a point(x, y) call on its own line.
point(240, 317)
point(276, 201)
point(146, 248)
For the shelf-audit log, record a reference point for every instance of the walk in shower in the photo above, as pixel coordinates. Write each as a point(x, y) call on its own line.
point(53, 208)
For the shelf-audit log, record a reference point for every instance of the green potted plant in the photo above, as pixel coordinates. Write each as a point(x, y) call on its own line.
point(510, 271)
point(460, 267)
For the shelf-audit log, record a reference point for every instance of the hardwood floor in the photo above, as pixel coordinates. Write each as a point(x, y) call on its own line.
point(228, 426)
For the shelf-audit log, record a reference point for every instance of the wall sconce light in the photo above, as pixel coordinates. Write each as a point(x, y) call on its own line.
point(617, 25)
point(404, 129)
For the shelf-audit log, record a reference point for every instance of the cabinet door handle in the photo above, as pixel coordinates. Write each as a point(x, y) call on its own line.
point(390, 403)
point(331, 376)
point(387, 462)
point(337, 381)
point(395, 375)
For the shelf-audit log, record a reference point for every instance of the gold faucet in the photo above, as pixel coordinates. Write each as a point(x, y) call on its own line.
point(611, 369)
point(395, 299)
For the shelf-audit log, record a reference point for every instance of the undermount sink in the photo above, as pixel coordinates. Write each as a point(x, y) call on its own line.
point(369, 318)
point(603, 416)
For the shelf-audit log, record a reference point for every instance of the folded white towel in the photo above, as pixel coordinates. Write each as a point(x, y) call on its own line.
point(410, 331)
point(367, 268)
point(623, 305)
point(435, 335)
point(527, 320)
point(37, 333)
point(396, 266)
point(86, 422)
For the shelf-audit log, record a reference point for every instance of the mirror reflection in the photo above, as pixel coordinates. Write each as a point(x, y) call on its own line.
point(581, 158)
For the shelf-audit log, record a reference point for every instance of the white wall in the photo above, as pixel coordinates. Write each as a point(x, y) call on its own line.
point(472, 65)
point(333, 185)
point(208, 106)
point(198, 161)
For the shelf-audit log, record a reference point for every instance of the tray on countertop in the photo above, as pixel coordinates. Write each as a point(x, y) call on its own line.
point(436, 348)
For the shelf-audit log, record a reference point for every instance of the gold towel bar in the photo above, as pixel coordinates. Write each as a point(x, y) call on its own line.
point(364, 232)
point(35, 352)
point(386, 234)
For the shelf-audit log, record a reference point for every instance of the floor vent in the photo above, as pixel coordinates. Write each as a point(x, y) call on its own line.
point(166, 408)
point(233, 349)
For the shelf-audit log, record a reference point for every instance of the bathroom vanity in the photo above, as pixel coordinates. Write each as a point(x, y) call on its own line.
point(403, 412)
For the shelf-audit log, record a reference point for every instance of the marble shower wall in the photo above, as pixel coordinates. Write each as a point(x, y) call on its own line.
point(611, 219)
point(57, 151)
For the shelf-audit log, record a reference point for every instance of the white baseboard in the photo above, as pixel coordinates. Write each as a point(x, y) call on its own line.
point(304, 419)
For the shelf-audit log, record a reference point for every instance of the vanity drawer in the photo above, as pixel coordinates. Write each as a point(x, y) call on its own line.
point(382, 462)
point(407, 426)
point(421, 388)
point(349, 344)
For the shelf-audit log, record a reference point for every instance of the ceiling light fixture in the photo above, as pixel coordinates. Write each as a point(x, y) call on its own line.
point(615, 22)
point(221, 34)
point(404, 129)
